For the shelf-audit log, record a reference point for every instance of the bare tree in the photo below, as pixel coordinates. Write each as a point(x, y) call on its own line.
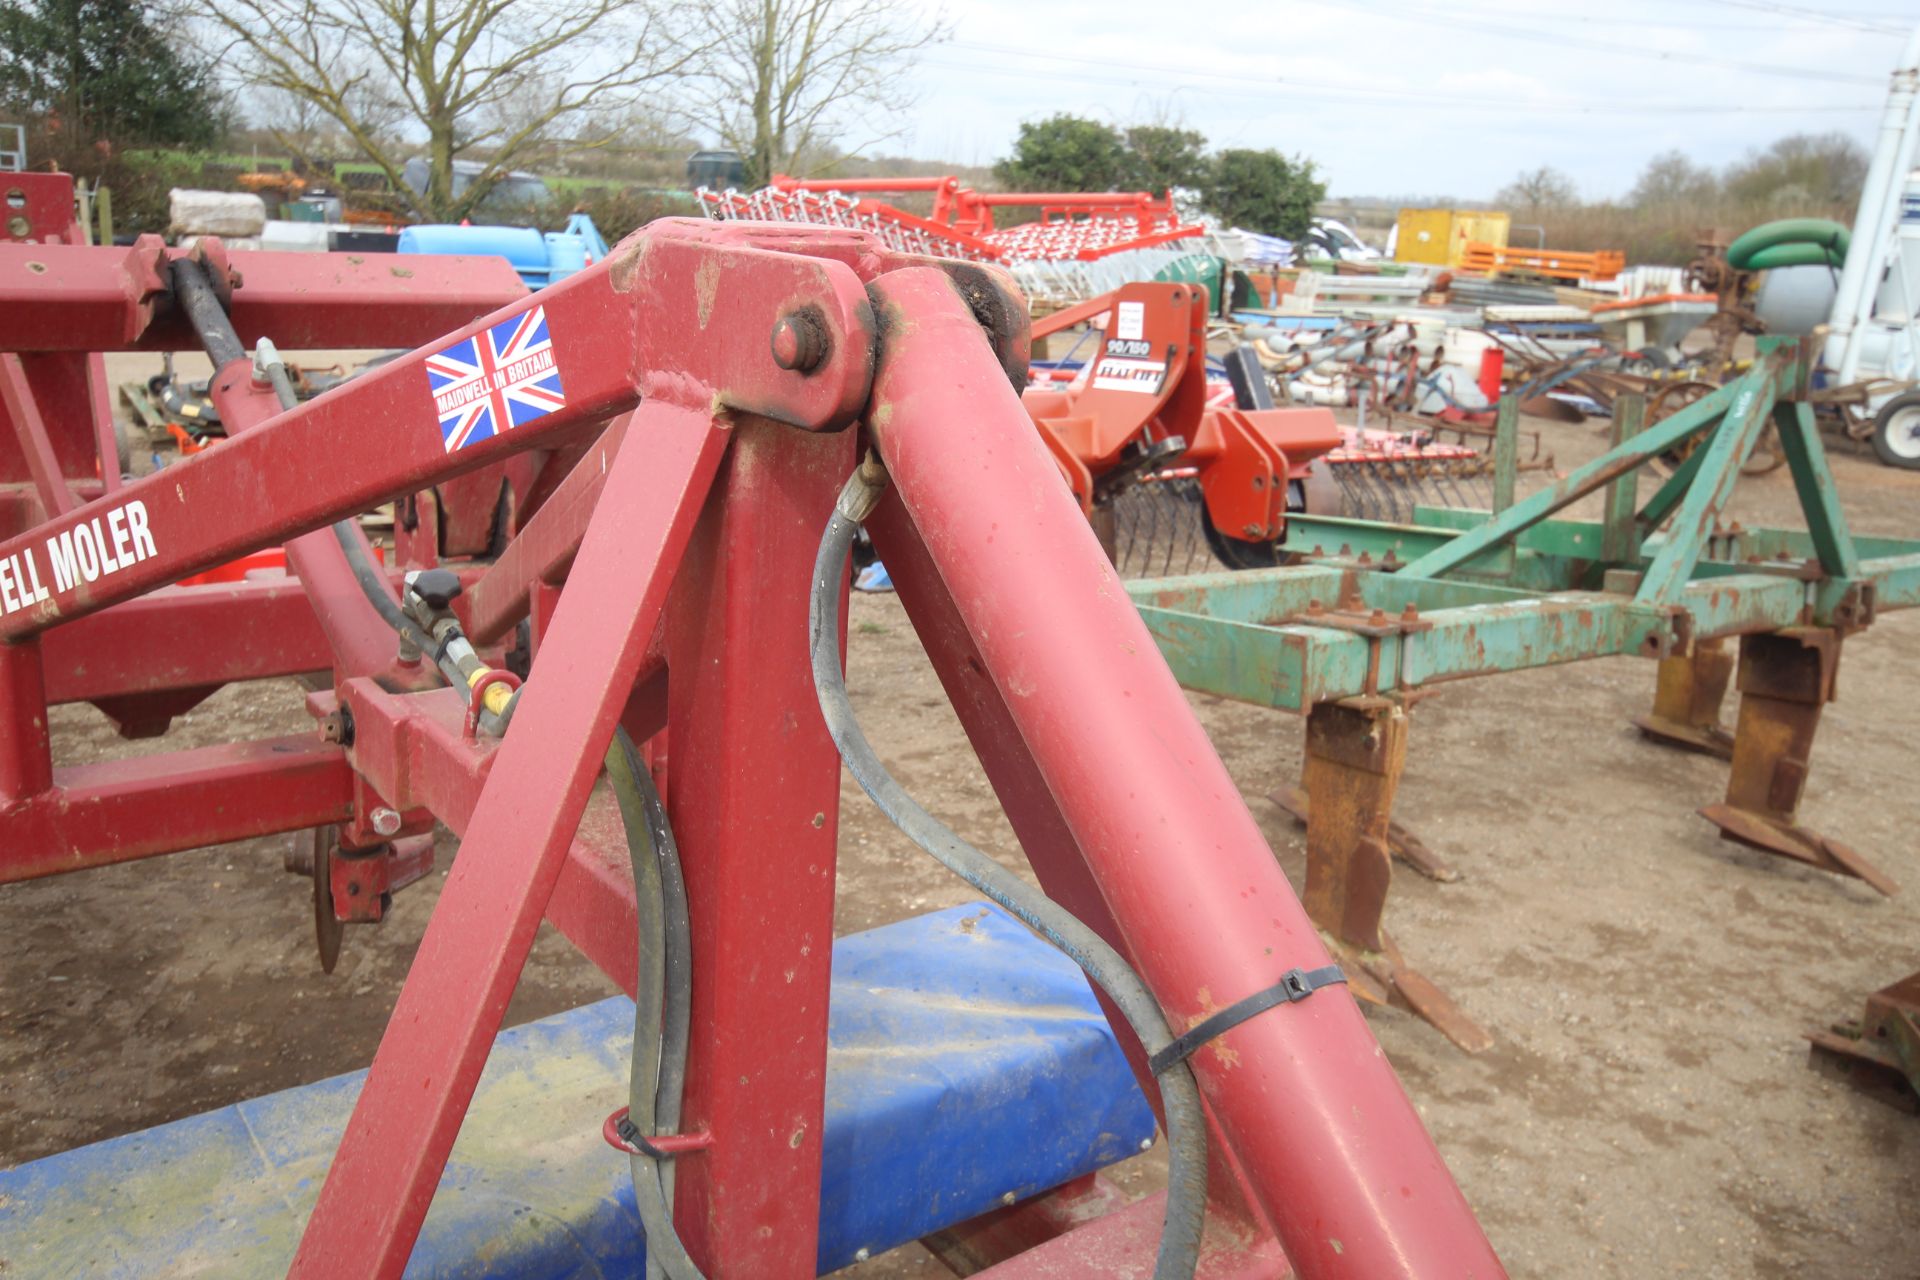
point(499, 79)
point(1538, 189)
point(1671, 179)
point(310, 133)
point(787, 79)
point(1802, 170)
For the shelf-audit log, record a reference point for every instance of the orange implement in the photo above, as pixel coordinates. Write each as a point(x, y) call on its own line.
point(1142, 402)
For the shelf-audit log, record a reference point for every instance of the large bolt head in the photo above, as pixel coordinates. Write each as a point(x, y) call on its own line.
point(799, 342)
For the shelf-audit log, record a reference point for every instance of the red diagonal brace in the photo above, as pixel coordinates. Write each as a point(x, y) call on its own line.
point(30, 430)
point(377, 1192)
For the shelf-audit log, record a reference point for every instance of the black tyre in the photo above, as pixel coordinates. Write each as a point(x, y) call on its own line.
point(1896, 432)
point(1235, 553)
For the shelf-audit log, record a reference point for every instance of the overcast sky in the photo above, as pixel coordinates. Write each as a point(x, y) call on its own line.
point(1419, 97)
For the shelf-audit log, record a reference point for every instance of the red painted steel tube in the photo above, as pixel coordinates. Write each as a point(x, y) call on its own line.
point(858, 186)
point(664, 315)
point(1072, 199)
point(1331, 1145)
point(390, 1159)
point(120, 810)
point(91, 299)
point(100, 401)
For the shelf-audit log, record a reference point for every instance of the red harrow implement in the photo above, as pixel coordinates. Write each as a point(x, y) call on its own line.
point(1179, 470)
point(1141, 415)
point(1074, 225)
point(717, 387)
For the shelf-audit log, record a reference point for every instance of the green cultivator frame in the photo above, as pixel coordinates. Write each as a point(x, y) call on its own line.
point(1375, 615)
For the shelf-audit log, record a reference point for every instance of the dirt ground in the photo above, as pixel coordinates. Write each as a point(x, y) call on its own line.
point(1646, 1108)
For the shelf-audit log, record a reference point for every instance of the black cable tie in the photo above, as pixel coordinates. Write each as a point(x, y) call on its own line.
point(1294, 986)
point(638, 1141)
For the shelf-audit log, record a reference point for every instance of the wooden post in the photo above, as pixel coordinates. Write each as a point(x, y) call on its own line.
point(1619, 543)
point(1506, 452)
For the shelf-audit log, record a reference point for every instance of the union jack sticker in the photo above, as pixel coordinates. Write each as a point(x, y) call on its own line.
point(501, 378)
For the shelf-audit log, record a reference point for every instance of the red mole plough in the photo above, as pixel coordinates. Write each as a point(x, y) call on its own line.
point(720, 386)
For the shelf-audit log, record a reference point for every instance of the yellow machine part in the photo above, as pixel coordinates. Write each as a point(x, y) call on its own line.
point(1440, 236)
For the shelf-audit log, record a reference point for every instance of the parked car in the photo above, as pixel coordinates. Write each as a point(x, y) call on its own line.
point(1337, 241)
point(716, 169)
point(517, 190)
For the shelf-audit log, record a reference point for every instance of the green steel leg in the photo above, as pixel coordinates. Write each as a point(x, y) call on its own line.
point(1819, 496)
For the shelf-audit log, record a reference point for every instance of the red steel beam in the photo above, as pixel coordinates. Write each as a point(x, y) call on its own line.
point(119, 810)
point(186, 638)
point(755, 785)
point(190, 637)
point(1332, 1148)
point(76, 298)
point(26, 754)
point(100, 401)
point(661, 302)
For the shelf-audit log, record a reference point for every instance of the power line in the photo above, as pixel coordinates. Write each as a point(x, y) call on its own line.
point(1611, 46)
point(1807, 17)
point(1292, 88)
point(1812, 15)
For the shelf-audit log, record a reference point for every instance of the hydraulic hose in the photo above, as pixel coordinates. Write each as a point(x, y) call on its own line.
point(205, 314)
point(1179, 1251)
point(222, 342)
point(373, 586)
point(662, 1000)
